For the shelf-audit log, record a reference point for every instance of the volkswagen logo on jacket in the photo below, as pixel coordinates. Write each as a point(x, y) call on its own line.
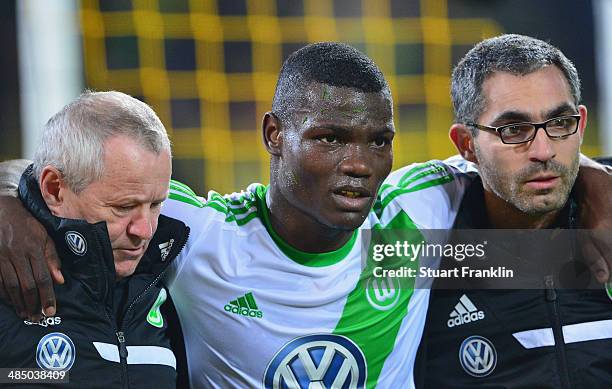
point(477, 356)
point(55, 351)
point(76, 242)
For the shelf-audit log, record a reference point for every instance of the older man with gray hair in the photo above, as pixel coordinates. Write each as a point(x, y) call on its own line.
point(97, 184)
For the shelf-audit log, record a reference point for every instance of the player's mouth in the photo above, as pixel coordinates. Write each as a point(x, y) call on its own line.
point(350, 194)
point(352, 198)
point(543, 182)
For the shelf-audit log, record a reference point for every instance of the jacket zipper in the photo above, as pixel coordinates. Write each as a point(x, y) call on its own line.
point(119, 333)
point(123, 352)
point(551, 297)
point(159, 276)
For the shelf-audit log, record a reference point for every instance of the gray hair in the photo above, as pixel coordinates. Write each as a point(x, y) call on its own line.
point(73, 139)
point(516, 54)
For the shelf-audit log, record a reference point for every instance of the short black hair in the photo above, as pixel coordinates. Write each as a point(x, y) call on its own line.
point(331, 63)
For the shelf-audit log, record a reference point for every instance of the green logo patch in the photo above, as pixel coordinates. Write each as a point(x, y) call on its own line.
point(155, 317)
point(245, 306)
point(383, 293)
point(608, 287)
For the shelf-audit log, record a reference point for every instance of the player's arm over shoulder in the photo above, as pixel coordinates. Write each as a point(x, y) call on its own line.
point(190, 208)
point(206, 215)
point(10, 174)
point(429, 192)
point(200, 214)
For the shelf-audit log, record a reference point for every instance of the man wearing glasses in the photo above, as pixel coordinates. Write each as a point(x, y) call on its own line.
point(517, 116)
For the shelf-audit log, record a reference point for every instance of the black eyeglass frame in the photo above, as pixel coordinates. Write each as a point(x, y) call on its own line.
point(537, 126)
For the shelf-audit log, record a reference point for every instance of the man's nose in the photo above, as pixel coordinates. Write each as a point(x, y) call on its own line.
point(356, 162)
point(541, 148)
point(142, 225)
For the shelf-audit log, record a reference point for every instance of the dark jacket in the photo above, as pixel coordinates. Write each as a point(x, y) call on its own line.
point(106, 334)
point(521, 338)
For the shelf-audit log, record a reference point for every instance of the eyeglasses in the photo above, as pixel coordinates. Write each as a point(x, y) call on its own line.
point(515, 133)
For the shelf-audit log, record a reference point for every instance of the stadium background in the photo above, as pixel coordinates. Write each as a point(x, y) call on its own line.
point(208, 68)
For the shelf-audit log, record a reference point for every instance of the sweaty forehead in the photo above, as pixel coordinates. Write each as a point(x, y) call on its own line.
point(331, 103)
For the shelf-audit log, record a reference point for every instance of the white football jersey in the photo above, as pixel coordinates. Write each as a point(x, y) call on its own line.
point(256, 312)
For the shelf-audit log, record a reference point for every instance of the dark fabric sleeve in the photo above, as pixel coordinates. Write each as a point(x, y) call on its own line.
point(604, 160)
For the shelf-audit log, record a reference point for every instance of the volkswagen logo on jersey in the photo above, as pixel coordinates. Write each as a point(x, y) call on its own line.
point(477, 356)
point(76, 242)
point(317, 361)
point(383, 293)
point(55, 351)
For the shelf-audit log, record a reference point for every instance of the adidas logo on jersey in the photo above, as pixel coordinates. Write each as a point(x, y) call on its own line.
point(45, 321)
point(245, 306)
point(465, 312)
point(165, 248)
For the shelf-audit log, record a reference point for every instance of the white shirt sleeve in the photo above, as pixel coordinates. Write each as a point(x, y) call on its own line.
point(184, 205)
point(429, 193)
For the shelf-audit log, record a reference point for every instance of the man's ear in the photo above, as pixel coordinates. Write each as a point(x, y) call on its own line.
point(463, 139)
point(272, 134)
point(52, 187)
point(582, 110)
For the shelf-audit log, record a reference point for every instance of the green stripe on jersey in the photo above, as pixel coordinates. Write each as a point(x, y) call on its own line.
point(239, 210)
point(407, 178)
point(427, 184)
point(407, 181)
point(242, 221)
point(179, 186)
point(182, 197)
point(374, 310)
point(422, 174)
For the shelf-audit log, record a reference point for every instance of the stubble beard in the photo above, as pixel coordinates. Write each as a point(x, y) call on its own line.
point(510, 187)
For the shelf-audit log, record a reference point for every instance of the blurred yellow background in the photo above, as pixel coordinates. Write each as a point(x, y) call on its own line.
point(210, 73)
point(209, 68)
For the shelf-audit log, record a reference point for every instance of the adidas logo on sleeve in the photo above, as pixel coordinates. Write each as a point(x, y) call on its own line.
point(465, 312)
point(165, 248)
point(245, 306)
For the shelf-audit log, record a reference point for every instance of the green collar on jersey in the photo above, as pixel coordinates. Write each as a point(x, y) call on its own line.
point(302, 257)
